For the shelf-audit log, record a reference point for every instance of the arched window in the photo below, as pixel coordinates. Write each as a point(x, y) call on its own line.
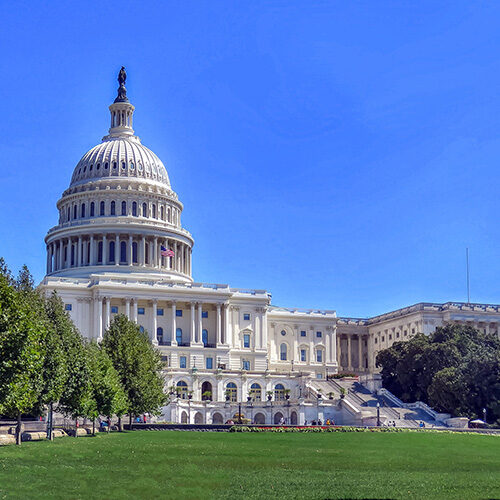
point(111, 251)
point(134, 252)
point(178, 335)
point(159, 335)
point(134, 209)
point(206, 388)
point(74, 212)
point(256, 392)
point(204, 336)
point(319, 355)
point(72, 255)
point(162, 213)
point(182, 389)
point(124, 208)
point(232, 392)
point(82, 212)
point(112, 208)
point(154, 211)
point(101, 210)
point(92, 209)
point(69, 215)
point(283, 352)
point(144, 210)
point(279, 392)
point(169, 215)
point(123, 252)
point(99, 252)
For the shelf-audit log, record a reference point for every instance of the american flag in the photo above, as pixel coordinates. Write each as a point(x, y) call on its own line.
point(166, 252)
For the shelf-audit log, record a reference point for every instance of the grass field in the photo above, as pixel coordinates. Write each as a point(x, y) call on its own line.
point(168, 464)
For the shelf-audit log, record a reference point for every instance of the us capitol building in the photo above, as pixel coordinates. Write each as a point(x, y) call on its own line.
point(120, 248)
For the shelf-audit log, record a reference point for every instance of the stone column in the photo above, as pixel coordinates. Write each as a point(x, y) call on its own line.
point(143, 251)
point(154, 338)
point(333, 345)
point(61, 253)
point(130, 254)
point(370, 354)
point(108, 312)
point(327, 347)
point(218, 327)
point(80, 251)
point(339, 352)
point(360, 353)
point(193, 324)
point(104, 250)
point(174, 324)
point(200, 322)
point(156, 260)
point(92, 251)
point(127, 308)
point(99, 319)
point(117, 250)
point(227, 327)
point(263, 330)
point(295, 353)
point(135, 311)
point(349, 355)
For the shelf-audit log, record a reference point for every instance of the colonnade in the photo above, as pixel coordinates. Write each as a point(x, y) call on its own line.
point(365, 354)
point(102, 318)
point(118, 249)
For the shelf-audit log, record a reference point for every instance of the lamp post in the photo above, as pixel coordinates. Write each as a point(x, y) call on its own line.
point(484, 415)
point(239, 412)
point(378, 414)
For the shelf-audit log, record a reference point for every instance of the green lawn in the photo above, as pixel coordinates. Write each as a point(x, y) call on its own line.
point(166, 464)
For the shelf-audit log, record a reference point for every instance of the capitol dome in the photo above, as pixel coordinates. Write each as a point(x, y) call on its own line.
point(119, 213)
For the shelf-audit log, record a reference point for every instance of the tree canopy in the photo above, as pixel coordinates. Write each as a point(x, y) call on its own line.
point(456, 370)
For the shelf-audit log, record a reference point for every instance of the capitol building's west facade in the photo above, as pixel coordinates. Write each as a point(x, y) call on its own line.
point(120, 247)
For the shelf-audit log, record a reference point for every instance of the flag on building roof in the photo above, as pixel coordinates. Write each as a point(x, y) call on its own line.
point(166, 252)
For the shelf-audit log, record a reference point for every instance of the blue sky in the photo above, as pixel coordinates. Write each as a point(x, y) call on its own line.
point(341, 155)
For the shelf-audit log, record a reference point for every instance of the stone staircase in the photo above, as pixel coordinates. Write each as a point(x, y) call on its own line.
point(363, 403)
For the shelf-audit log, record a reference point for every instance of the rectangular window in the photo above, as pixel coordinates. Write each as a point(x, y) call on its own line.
point(319, 335)
point(140, 310)
point(383, 339)
point(246, 340)
point(303, 355)
point(159, 312)
point(319, 356)
point(413, 331)
point(204, 314)
point(246, 364)
point(397, 335)
point(68, 307)
point(178, 312)
point(114, 309)
point(376, 340)
point(319, 375)
point(390, 336)
point(302, 333)
point(209, 363)
point(182, 361)
point(246, 317)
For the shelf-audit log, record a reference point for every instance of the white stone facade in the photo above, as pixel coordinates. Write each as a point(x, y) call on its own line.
point(107, 255)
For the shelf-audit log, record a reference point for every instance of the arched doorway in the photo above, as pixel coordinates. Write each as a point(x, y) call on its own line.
point(293, 418)
point(184, 418)
point(198, 418)
point(206, 388)
point(217, 418)
point(277, 417)
point(259, 418)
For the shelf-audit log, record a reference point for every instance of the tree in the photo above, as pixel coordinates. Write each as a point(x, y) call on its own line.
point(456, 369)
point(138, 365)
point(22, 351)
point(107, 395)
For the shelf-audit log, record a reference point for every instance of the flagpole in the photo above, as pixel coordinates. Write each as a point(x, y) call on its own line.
point(468, 275)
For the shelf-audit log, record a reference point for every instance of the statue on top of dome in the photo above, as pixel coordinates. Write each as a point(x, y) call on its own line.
point(122, 91)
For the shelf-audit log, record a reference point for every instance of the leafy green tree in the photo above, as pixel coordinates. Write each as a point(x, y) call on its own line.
point(107, 395)
point(456, 369)
point(138, 365)
point(22, 351)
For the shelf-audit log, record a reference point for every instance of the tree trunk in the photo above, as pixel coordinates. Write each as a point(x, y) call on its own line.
point(109, 425)
point(19, 429)
point(120, 424)
point(93, 427)
point(51, 422)
point(130, 422)
point(76, 427)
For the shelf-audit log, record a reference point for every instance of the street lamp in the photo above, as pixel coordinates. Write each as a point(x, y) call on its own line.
point(484, 415)
point(378, 414)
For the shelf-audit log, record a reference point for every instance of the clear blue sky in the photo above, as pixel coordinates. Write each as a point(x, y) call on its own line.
point(341, 155)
